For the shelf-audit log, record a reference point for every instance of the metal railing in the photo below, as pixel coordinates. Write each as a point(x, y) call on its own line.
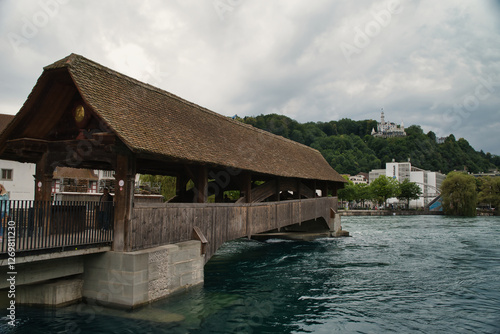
point(35, 225)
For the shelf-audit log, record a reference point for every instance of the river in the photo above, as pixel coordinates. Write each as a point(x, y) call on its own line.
point(397, 274)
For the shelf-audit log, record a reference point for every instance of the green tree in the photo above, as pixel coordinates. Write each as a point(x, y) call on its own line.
point(408, 191)
point(459, 194)
point(490, 191)
point(167, 184)
point(348, 192)
point(349, 148)
point(383, 188)
point(363, 193)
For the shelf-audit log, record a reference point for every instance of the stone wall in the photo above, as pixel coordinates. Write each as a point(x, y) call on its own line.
point(54, 293)
point(132, 279)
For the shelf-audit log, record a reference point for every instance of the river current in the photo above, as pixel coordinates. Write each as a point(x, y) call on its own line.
point(397, 274)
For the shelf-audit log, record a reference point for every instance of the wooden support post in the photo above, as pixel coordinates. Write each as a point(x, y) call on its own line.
point(247, 186)
point(180, 185)
point(278, 186)
point(124, 198)
point(335, 189)
point(298, 196)
point(43, 179)
point(201, 185)
point(219, 195)
point(324, 189)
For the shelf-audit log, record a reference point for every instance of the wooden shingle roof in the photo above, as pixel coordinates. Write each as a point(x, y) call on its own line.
point(151, 121)
point(5, 120)
point(74, 173)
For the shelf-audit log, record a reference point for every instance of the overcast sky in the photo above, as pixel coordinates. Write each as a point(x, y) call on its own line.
point(426, 62)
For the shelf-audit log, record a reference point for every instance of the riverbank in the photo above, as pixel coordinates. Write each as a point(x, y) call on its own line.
point(369, 213)
point(388, 213)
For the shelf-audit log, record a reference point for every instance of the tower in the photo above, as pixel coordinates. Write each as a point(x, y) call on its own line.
point(382, 127)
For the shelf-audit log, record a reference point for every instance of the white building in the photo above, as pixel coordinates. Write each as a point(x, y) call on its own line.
point(357, 179)
point(18, 179)
point(388, 129)
point(374, 174)
point(429, 182)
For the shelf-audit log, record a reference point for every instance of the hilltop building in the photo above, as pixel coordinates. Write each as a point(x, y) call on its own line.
point(388, 129)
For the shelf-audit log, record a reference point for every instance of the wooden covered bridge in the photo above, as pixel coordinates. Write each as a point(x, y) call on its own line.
point(84, 115)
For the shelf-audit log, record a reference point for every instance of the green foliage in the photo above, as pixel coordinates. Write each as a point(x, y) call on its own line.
point(408, 191)
point(490, 192)
point(348, 193)
point(349, 148)
point(167, 184)
point(363, 192)
point(383, 188)
point(459, 194)
point(356, 192)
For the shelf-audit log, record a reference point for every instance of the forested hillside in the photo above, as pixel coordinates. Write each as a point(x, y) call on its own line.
point(349, 148)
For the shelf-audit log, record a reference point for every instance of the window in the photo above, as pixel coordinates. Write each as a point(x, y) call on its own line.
point(7, 174)
point(108, 174)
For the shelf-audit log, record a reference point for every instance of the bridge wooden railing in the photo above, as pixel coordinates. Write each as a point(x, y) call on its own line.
point(41, 226)
point(153, 226)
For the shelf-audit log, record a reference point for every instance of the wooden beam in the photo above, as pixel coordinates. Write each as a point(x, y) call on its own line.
point(180, 186)
point(43, 178)
point(124, 197)
point(299, 188)
point(201, 185)
point(67, 153)
point(324, 189)
point(197, 234)
point(247, 186)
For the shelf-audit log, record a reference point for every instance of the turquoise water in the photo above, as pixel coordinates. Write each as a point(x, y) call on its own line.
point(417, 274)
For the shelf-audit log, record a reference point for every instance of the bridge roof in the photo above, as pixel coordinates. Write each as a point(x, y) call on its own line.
point(153, 122)
point(5, 120)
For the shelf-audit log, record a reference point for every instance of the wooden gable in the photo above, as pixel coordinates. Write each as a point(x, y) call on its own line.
point(51, 120)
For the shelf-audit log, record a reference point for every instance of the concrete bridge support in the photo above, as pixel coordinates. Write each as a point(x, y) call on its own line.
point(131, 279)
point(109, 278)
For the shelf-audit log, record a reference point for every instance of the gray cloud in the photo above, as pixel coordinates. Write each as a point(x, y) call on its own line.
point(313, 61)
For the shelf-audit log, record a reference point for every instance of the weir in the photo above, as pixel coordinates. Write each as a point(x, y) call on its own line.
point(81, 114)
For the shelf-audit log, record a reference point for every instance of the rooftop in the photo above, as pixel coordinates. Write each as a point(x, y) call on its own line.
point(159, 125)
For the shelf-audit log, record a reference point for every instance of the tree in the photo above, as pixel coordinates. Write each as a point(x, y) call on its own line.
point(167, 184)
point(383, 188)
point(490, 191)
point(349, 148)
point(363, 193)
point(459, 194)
point(348, 192)
point(408, 191)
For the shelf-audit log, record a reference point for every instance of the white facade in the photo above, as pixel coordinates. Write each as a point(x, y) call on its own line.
point(374, 174)
point(388, 129)
point(429, 182)
point(419, 177)
point(18, 179)
point(398, 170)
point(357, 179)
